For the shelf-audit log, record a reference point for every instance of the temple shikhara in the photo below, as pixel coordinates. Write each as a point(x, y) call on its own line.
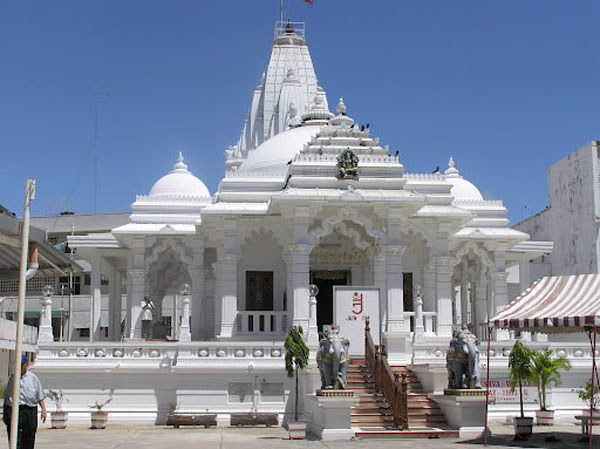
point(309, 197)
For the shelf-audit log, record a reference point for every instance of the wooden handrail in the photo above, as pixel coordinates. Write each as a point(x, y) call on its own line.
point(393, 386)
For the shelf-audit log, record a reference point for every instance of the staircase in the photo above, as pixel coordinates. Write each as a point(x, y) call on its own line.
point(372, 417)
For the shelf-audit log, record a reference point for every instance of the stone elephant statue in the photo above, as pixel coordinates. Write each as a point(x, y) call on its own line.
point(332, 360)
point(462, 360)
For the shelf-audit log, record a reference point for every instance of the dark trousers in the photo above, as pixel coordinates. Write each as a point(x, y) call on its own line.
point(27, 425)
point(147, 329)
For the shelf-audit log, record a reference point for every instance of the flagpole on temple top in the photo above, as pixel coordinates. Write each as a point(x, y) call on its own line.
point(281, 12)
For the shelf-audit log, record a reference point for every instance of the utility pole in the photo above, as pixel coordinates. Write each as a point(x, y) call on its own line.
point(99, 95)
point(16, 386)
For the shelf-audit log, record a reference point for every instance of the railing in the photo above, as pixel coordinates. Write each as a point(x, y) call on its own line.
point(259, 322)
point(156, 354)
point(8, 331)
point(393, 386)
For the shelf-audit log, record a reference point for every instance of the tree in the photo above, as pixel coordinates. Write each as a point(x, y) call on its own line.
point(546, 370)
point(296, 357)
point(520, 366)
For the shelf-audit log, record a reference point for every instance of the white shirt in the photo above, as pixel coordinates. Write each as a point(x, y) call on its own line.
point(147, 308)
point(31, 392)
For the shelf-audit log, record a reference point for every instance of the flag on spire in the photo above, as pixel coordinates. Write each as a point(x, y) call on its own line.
point(310, 2)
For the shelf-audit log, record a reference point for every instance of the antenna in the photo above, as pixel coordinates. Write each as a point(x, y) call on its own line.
point(99, 95)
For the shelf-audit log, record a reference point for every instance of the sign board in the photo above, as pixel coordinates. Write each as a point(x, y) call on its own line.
point(351, 307)
point(500, 389)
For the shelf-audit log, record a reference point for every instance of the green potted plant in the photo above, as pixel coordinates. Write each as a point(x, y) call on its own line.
point(99, 416)
point(520, 368)
point(593, 400)
point(296, 358)
point(58, 418)
point(545, 370)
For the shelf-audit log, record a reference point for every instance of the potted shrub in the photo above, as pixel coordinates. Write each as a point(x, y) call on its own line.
point(58, 418)
point(591, 400)
point(99, 416)
point(520, 367)
point(544, 371)
point(296, 358)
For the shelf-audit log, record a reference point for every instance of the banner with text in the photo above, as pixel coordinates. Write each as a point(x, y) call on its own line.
point(500, 389)
point(351, 307)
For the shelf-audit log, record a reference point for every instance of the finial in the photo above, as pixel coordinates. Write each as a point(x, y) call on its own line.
point(452, 171)
point(341, 107)
point(180, 165)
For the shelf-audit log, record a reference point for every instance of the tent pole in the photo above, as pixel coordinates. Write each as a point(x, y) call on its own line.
point(592, 390)
point(487, 388)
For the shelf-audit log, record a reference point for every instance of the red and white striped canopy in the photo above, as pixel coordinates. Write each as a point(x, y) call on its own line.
point(554, 304)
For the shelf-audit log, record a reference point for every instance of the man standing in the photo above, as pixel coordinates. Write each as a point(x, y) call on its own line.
point(147, 308)
point(30, 395)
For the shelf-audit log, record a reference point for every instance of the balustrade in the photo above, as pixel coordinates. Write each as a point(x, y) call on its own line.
point(262, 322)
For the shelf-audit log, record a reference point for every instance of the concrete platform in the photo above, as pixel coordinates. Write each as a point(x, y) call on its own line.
point(262, 438)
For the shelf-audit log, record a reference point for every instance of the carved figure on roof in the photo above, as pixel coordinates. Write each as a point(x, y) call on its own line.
point(347, 161)
point(462, 359)
point(332, 359)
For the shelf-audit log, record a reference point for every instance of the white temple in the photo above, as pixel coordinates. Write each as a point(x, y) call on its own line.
point(308, 197)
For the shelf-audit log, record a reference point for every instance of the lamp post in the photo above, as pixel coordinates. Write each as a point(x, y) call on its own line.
point(419, 328)
point(46, 334)
point(184, 330)
point(313, 331)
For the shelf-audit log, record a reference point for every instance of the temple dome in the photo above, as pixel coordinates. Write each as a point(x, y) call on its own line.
point(179, 182)
point(273, 155)
point(461, 188)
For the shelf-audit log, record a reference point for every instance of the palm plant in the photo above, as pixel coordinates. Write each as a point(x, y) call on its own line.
point(545, 370)
point(520, 365)
point(296, 357)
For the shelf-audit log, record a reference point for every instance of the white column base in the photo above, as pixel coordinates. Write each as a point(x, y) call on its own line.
point(399, 348)
point(465, 413)
point(329, 418)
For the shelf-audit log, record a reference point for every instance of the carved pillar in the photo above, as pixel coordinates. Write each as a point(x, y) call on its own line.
point(298, 282)
point(135, 290)
point(500, 290)
point(379, 275)
point(464, 294)
point(394, 274)
point(198, 300)
point(443, 276)
point(299, 267)
point(429, 287)
point(395, 293)
point(481, 310)
point(115, 304)
point(95, 297)
point(229, 265)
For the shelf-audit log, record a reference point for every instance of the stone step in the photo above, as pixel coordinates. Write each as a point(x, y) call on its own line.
point(426, 432)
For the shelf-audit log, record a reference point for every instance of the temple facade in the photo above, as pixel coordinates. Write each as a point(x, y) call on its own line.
point(309, 197)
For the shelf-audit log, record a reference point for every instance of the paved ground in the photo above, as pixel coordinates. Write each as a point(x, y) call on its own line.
point(566, 435)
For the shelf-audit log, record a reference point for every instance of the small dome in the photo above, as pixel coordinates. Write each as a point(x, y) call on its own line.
point(461, 188)
point(273, 155)
point(179, 182)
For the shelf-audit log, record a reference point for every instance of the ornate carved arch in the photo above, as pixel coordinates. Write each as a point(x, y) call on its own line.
point(249, 235)
point(328, 225)
point(475, 248)
point(175, 245)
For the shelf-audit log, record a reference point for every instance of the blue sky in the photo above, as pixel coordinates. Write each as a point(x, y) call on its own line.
point(506, 87)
